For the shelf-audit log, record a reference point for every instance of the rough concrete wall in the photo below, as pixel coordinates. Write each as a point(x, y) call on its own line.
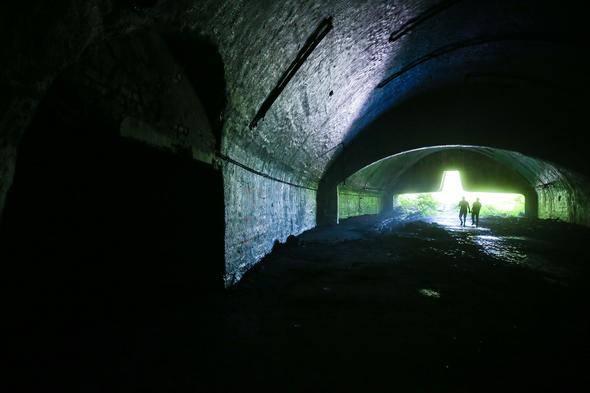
point(580, 212)
point(566, 198)
point(336, 78)
point(355, 203)
point(555, 201)
point(258, 212)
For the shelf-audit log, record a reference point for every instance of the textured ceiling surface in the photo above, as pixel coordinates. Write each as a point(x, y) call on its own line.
point(356, 73)
point(377, 55)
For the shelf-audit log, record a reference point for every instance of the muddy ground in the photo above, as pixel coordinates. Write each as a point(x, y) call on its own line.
point(389, 304)
point(385, 304)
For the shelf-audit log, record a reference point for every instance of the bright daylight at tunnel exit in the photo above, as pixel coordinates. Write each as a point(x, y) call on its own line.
point(441, 206)
point(295, 196)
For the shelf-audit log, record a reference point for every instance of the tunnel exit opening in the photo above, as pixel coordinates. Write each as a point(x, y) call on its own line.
point(442, 205)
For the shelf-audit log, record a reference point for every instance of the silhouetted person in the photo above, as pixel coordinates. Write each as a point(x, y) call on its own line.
point(463, 209)
point(475, 208)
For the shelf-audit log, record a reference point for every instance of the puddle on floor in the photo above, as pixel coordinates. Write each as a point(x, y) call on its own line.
point(499, 247)
point(429, 293)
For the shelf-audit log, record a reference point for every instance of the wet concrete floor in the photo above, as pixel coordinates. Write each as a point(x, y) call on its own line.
point(383, 304)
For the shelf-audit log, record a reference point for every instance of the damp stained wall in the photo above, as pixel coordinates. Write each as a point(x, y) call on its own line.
point(353, 203)
point(259, 212)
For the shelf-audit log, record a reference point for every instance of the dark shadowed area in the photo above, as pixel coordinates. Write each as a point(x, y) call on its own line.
point(403, 304)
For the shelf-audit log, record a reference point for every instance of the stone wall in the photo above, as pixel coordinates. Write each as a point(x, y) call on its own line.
point(357, 203)
point(258, 212)
point(566, 198)
point(555, 201)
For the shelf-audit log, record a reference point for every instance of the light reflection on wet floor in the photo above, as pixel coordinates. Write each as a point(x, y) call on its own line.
point(500, 248)
point(503, 248)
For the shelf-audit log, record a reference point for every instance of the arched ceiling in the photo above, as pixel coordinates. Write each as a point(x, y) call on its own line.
point(535, 122)
point(375, 57)
point(514, 172)
point(551, 190)
point(338, 91)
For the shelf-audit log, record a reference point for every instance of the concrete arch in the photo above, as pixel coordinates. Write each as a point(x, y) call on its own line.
point(522, 121)
point(483, 169)
point(528, 54)
point(551, 190)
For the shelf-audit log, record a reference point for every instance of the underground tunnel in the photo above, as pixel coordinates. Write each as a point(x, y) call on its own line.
point(218, 196)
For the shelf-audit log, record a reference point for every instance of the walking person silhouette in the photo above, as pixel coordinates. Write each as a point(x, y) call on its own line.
point(463, 209)
point(475, 208)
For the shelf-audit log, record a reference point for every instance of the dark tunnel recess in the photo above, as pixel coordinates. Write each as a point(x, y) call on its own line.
point(103, 232)
point(203, 66)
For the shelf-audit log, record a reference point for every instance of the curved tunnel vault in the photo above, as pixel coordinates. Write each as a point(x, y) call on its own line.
point(293, 98)
point(523, 121)
point(550, 192)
